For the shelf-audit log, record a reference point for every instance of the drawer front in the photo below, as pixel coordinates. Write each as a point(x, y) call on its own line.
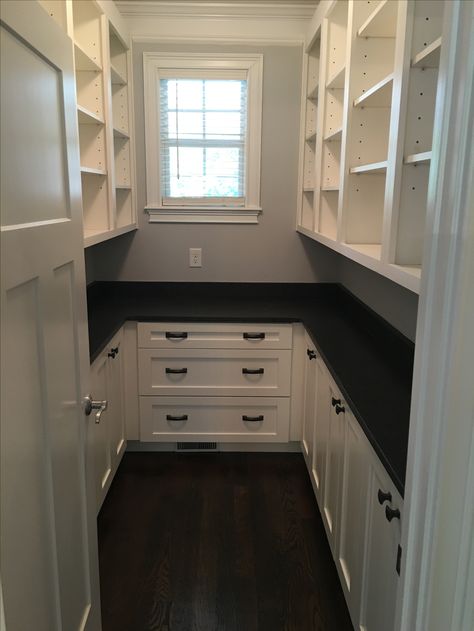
point(214, 372)
point(221, 419)
point(220, 335)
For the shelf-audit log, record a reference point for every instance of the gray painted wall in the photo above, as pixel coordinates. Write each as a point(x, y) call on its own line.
point(393, 302)
point(272, 251)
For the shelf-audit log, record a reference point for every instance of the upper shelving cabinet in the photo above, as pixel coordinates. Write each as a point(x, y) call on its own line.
point(422, 55)
point(102, 74)
point(378, 84)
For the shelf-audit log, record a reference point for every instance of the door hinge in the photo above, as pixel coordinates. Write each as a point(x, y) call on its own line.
point(399, 559)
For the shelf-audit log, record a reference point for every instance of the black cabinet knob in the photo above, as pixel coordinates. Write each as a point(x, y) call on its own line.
point(340, 408)
point(335, 402)
point(383, 496)
point(311, 354)
point(392, 513)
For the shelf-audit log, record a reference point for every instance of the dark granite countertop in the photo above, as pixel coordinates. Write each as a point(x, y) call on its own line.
point(371, 362)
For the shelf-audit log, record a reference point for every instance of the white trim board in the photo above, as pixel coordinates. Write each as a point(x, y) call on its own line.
point(263, 10)
point(252, 66)
point(438, 530)
point(290, 447)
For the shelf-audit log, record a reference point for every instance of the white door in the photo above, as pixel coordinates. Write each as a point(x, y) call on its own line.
point(49, 567)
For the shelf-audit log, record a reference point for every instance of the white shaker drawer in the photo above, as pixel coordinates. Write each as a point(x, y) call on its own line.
point(205, 372)
point(223, 419)
point(214, 335)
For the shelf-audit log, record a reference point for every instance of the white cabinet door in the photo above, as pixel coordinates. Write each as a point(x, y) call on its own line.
point(109, 440)
point(321, 430)
point(350, 558)
point(381, 549)
point(115, 389)
point(100, 440)
point(309, 404)
point(334, 465)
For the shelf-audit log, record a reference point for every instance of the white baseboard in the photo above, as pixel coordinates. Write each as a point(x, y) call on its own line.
point(291, 447)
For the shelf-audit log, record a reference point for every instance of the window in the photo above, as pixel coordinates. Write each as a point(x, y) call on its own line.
point(203, 127)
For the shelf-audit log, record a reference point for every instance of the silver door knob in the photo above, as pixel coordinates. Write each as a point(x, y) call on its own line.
point(98, 406)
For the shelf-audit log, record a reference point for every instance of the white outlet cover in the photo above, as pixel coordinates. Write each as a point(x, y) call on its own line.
point(195, 257)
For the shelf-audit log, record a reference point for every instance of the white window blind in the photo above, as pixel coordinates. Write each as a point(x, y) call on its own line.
point(203, 131)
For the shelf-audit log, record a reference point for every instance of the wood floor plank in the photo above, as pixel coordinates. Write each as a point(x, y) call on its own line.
point(216, 542)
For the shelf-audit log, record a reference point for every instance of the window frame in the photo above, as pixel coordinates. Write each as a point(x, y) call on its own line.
point(252, 65)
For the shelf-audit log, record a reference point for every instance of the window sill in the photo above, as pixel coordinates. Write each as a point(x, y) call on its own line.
point(183, 214)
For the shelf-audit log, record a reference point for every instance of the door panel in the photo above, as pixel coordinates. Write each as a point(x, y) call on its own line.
point(45, 197)
point(26, 484)
point(48, 546)
point(334, 467)
point(115, 410)
point(321, 430)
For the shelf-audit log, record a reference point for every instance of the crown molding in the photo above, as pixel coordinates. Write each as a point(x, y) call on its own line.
point(195, 9)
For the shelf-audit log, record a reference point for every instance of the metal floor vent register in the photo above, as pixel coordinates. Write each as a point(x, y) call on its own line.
point(196, 446)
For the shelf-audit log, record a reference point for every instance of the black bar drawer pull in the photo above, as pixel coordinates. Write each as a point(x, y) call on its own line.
point(183, 417)
point(176, 371)
point(254, 336)
point(253, 371)
point(170, 335)
point(253, 419)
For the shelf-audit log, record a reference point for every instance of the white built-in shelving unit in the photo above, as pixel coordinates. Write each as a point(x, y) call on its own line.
point(102, 74)
point(378, 80)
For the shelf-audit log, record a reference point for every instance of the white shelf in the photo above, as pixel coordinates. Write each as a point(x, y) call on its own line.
point(83, 61)
point(373, 168)
point(308, 189)
point(116, 77)
point(382, 22)
point(118, 133)
point(330, 189)
point(379, 95)
point(86, 117)
point(373, 250)
point(418, 158)
point(92, 237)
point(311, 137)
point(336, 80)
point(429, 56)
point(90, 171)
point(123, 187)
point(334, 135)
point(313, 93)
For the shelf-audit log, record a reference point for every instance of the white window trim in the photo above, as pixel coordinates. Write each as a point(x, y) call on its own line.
point(153, 65)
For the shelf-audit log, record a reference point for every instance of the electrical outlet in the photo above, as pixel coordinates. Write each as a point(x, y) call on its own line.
point(195, 257)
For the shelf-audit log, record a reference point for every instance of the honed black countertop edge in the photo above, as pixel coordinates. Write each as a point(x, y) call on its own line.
point(370, 361)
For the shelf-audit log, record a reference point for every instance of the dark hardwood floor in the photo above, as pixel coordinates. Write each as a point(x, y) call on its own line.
point(216, 542)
